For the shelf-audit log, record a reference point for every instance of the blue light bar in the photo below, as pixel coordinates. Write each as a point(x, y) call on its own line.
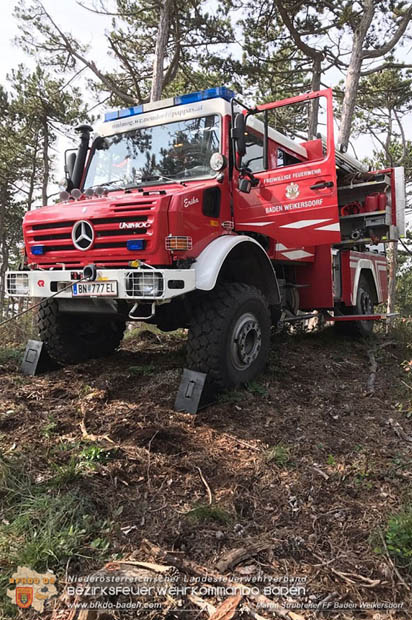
point(135, 244)
point(138, 109)
point(201, 95)
point(111, 116)
point(37, 250)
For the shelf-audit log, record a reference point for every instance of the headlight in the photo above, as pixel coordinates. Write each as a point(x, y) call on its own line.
point(17, 284)
point(144, 284)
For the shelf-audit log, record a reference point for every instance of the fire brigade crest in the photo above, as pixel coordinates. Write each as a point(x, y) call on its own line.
point(32, 588)
point(292, 190)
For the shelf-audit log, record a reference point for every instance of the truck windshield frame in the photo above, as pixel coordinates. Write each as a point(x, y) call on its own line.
point(177, 151)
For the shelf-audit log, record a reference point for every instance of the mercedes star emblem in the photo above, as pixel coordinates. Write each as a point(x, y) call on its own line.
point(83, 235)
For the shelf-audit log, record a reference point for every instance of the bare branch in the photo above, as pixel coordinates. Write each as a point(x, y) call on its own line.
point(106, 80)
point(385, 49)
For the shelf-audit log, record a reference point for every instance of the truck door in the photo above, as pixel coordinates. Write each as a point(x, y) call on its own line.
point(293, 195)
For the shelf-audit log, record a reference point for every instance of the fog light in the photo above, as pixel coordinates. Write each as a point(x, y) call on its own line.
point(178, 243)
point(37, 250)
point(144, 284)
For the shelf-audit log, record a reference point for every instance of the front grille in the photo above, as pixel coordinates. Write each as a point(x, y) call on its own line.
point(107, 230)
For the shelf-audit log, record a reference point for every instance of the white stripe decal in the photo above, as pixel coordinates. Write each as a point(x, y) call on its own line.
point(331, 227)
point(304, 223)
point(280, 246)
point(254, 223)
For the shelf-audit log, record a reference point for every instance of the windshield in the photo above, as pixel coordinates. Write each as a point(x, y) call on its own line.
point(176, 151)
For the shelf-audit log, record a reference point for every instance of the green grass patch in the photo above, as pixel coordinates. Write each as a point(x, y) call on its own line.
point(139, 328)
point(256, 388)
point(209, 513)
point(331, 460)
point(278, 454)
point(398, 539)
point(231, 396)
point(49, 428)
point(43, 527)
point(11, 355)
point(142, 370)
point(80, 464)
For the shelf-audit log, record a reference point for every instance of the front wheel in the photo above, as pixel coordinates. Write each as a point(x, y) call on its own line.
point(229, 335)
point(70, 339)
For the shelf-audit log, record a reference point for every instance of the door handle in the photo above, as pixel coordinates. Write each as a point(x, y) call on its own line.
point(322, 184)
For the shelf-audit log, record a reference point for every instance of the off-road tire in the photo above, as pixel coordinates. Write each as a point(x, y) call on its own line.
point(70, 339)
point(364, 305)
point(231, 310)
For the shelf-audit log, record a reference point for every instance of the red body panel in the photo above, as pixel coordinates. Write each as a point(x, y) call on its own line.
point(284, 205)
point(316, 281)
point(352, 264)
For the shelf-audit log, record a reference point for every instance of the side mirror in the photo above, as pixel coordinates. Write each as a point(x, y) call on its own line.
point(70, 160)
point(245, 185)
point(238, 134)
point(247, 181)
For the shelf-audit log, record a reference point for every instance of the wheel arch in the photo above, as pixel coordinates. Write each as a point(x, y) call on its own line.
point(367, 271)
point(237, 258)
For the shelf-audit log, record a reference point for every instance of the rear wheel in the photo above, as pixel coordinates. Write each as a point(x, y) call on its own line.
point(364, 305)
point(75, 338)
point(229, 336)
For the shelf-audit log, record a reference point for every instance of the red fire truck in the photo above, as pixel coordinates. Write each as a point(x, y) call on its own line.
point(199, 212)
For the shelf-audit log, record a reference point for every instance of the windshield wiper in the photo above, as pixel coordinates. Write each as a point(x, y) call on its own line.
point(161, 176)
point(104, 184)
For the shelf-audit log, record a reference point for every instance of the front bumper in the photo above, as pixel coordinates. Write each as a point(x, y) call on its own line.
point(150, 285)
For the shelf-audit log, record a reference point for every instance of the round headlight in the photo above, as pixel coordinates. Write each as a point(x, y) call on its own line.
point(217, 162)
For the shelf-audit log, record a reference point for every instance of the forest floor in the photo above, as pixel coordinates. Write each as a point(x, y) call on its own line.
point(306, 470)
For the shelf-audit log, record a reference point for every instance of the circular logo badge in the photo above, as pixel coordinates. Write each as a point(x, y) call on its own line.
point(82, 235)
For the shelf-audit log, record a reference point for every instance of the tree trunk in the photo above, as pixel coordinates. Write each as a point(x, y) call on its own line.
point(30, 193)
point(46, 163)
point(314, 105)
point(160, 50)
point(392, 255)
point(354, 73)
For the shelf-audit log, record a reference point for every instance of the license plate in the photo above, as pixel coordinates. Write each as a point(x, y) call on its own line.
point(95, 289)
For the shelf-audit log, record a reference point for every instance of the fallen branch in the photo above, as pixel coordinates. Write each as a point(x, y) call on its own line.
point(232, 558)
point(374, 367)
point(320, 472)
point(227, 609)
point(404, 382)
point(203, 479)
point(204, 605)
point(399, 430)
point(191, 568)
point(91, 437)
point(372, 375)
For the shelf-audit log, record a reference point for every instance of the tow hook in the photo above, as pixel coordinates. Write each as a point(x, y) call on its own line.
point(90, 272)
